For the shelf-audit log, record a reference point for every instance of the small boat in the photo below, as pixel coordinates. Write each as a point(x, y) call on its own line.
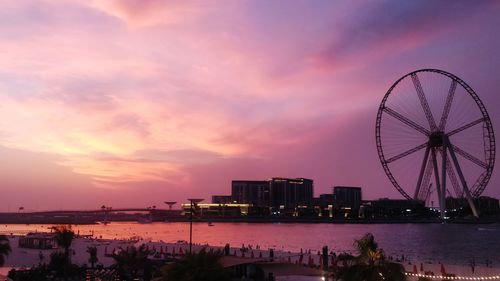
point(487, 229)
point(210, 223)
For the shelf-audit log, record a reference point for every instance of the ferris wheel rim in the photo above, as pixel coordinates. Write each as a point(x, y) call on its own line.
point(480, 184)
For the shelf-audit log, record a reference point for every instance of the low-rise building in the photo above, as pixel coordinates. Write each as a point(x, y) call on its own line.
point(459, 207)
point(386, 208)
point(222, 199)
point(216, 210)
point(38, 241)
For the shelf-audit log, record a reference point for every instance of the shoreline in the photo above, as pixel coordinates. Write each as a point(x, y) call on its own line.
point(78, 221)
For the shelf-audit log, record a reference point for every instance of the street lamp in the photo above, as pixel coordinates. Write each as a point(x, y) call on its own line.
point(170, 204)
point(192, 202)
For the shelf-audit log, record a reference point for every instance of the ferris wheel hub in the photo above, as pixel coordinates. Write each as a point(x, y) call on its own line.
point(436, 139)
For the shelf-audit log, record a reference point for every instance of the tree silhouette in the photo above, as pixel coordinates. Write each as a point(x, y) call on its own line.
point(92, 255)
point(4, 249)
point(61, 262)
point(64, 237)
point(131, 261)
point(202, 266)
point(370, 264)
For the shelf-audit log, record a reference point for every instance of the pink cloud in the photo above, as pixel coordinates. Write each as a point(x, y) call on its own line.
point(181, 98)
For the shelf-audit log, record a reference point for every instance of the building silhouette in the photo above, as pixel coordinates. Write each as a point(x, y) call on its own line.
point(288, 193)
point(323, 205)
point(386, 208)
point(347, 200)
point(276, 193)
point(251, 192)
point(222, 199)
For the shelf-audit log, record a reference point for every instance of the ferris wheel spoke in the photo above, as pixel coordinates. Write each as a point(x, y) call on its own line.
point(406, 153)
point(436, 177)
point(447, 106)
point(425, 189)
point(469, 156)
point(407, 121)
point(453, 177)
point(423, 101)
point(466, 126)
point(421, 175)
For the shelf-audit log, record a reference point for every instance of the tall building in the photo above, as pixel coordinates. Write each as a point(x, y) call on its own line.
point(347, 199)
point(279, 193)
point(288, 193)
point(250, 192)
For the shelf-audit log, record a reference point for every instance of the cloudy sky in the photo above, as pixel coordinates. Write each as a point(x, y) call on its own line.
point(134, 102)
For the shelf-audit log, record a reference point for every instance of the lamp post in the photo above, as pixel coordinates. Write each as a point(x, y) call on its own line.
point(192, 202)
point(170, 204)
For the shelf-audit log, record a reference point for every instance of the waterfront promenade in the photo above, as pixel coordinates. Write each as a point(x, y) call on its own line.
point(26, 258)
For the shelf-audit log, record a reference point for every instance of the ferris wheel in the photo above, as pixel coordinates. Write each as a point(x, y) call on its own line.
point(433, 131)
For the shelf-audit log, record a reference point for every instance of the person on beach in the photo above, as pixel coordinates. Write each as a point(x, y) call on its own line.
point(40, 257)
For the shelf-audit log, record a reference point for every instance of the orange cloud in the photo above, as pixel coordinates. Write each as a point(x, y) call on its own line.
point(142, 13)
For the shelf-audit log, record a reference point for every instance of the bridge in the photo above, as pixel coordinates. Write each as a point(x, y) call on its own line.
point(107, 210)
point(89, 216)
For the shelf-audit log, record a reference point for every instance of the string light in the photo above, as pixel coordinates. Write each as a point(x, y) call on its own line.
point(496, 277)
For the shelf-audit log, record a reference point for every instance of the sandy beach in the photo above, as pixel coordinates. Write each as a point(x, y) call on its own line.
point(26, 258)
point(23, 257)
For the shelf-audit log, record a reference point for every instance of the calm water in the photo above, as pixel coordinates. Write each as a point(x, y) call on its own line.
point(451, 243)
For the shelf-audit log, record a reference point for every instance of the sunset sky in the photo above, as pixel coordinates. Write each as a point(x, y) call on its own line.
point(135, 102)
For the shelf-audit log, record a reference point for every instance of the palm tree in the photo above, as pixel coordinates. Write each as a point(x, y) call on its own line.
point(92, 255)
point(202, 266)
point(64, 237)
point(62, 261)
point(370, 264)
point(4, 249)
